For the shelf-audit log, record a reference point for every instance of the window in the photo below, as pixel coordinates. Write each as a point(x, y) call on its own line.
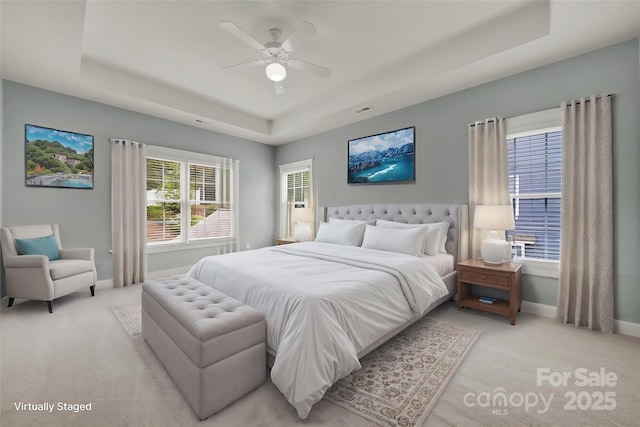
point(296, 192)
point(298, 187)
point(535, 184)
point(190, 199)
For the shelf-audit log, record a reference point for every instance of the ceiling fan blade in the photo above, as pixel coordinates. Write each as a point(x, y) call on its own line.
point(308, 67)
point(280, 87)
point(241, 34)
point(249, 64)
point(299, 36)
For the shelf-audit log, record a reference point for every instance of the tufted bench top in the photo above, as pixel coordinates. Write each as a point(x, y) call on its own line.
point(216, 325)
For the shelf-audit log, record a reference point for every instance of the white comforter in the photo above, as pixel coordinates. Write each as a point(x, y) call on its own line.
point(323, 303)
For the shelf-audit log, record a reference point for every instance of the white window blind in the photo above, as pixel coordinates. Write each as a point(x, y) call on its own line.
point(298, 187)
point(164, 203)
point(535, 185)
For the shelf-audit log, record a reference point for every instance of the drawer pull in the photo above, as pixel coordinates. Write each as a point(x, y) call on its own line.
point(484, 277)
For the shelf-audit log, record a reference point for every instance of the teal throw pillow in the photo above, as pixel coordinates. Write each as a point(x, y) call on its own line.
point(46, 245)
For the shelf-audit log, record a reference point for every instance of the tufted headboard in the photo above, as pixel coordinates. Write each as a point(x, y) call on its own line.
point(413, 213)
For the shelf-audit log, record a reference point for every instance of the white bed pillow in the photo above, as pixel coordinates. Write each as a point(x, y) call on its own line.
point(442, 227)
point(352, 221)
point(431, 245)
point(341, 234)
point(444, 235)
point(408, 241)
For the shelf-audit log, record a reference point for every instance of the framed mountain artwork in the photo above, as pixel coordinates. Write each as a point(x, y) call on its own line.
point(383, 158)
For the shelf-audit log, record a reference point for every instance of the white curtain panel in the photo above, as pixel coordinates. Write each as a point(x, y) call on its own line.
point(585, 292)
point(488, 173)
point(230, 183)
point(128, 212)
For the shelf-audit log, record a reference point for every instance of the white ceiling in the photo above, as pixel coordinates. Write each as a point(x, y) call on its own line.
point(166, 58)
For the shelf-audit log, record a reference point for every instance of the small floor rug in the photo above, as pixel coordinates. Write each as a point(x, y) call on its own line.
point(400, 381)
point(130, 317)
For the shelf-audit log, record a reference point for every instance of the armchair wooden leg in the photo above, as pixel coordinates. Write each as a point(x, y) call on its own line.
point(10, 302)
point(93, 290)
point(49, 304)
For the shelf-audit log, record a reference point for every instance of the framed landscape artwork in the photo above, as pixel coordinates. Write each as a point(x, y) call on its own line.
point(382, 158)
point(58, 158)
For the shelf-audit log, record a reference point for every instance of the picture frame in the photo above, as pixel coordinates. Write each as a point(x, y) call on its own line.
point(58, 158)
point(383, 158)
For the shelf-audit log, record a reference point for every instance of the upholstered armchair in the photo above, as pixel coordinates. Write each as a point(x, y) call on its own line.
point(43, 277)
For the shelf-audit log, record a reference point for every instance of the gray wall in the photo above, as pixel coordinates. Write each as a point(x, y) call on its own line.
point(84, 216)
point(442, 158)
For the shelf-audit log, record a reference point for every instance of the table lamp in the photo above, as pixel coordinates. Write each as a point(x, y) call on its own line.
point(302, 224)
point(496, 218)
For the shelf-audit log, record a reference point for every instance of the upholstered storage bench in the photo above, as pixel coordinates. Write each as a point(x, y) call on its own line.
point(212, 345)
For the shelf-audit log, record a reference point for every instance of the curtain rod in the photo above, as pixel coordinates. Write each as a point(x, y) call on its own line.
point(493, 119)
point(124, 141)
point(608, 95)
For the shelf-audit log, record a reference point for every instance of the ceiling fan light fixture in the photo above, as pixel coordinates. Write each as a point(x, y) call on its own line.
point(276, 72)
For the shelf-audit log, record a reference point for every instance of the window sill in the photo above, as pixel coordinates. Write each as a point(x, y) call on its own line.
point(198, 244)
point(537, 267)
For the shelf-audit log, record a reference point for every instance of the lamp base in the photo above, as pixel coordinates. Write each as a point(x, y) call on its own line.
point(495, 251)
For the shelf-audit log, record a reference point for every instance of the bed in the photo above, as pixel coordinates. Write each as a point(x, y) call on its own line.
point(327, 305)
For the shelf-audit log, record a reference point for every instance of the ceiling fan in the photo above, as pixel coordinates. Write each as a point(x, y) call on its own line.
point(276, 54)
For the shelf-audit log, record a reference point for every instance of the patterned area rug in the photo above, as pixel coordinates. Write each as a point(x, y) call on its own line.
point(400, 381)
point(130, 317)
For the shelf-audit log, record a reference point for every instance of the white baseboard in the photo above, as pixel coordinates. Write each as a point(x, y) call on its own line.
point(538, 309)
point(626, 328)
point(619, 326)
point(104, 284)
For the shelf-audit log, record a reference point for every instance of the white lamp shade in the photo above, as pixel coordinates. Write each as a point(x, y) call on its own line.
point(302, 215)
point(276, 72)
point(496, 217)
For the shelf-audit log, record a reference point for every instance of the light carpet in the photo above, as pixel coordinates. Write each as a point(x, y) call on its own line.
point(130, 317)
point(81, 354)
point(400, 381)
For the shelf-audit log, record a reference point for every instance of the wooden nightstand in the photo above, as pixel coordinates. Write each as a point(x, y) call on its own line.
point(285, 241)
point(507, 277)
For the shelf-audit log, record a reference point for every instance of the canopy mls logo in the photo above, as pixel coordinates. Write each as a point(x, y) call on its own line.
point(500, 401)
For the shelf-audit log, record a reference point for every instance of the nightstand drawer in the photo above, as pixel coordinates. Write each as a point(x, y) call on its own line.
point(484, 278)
